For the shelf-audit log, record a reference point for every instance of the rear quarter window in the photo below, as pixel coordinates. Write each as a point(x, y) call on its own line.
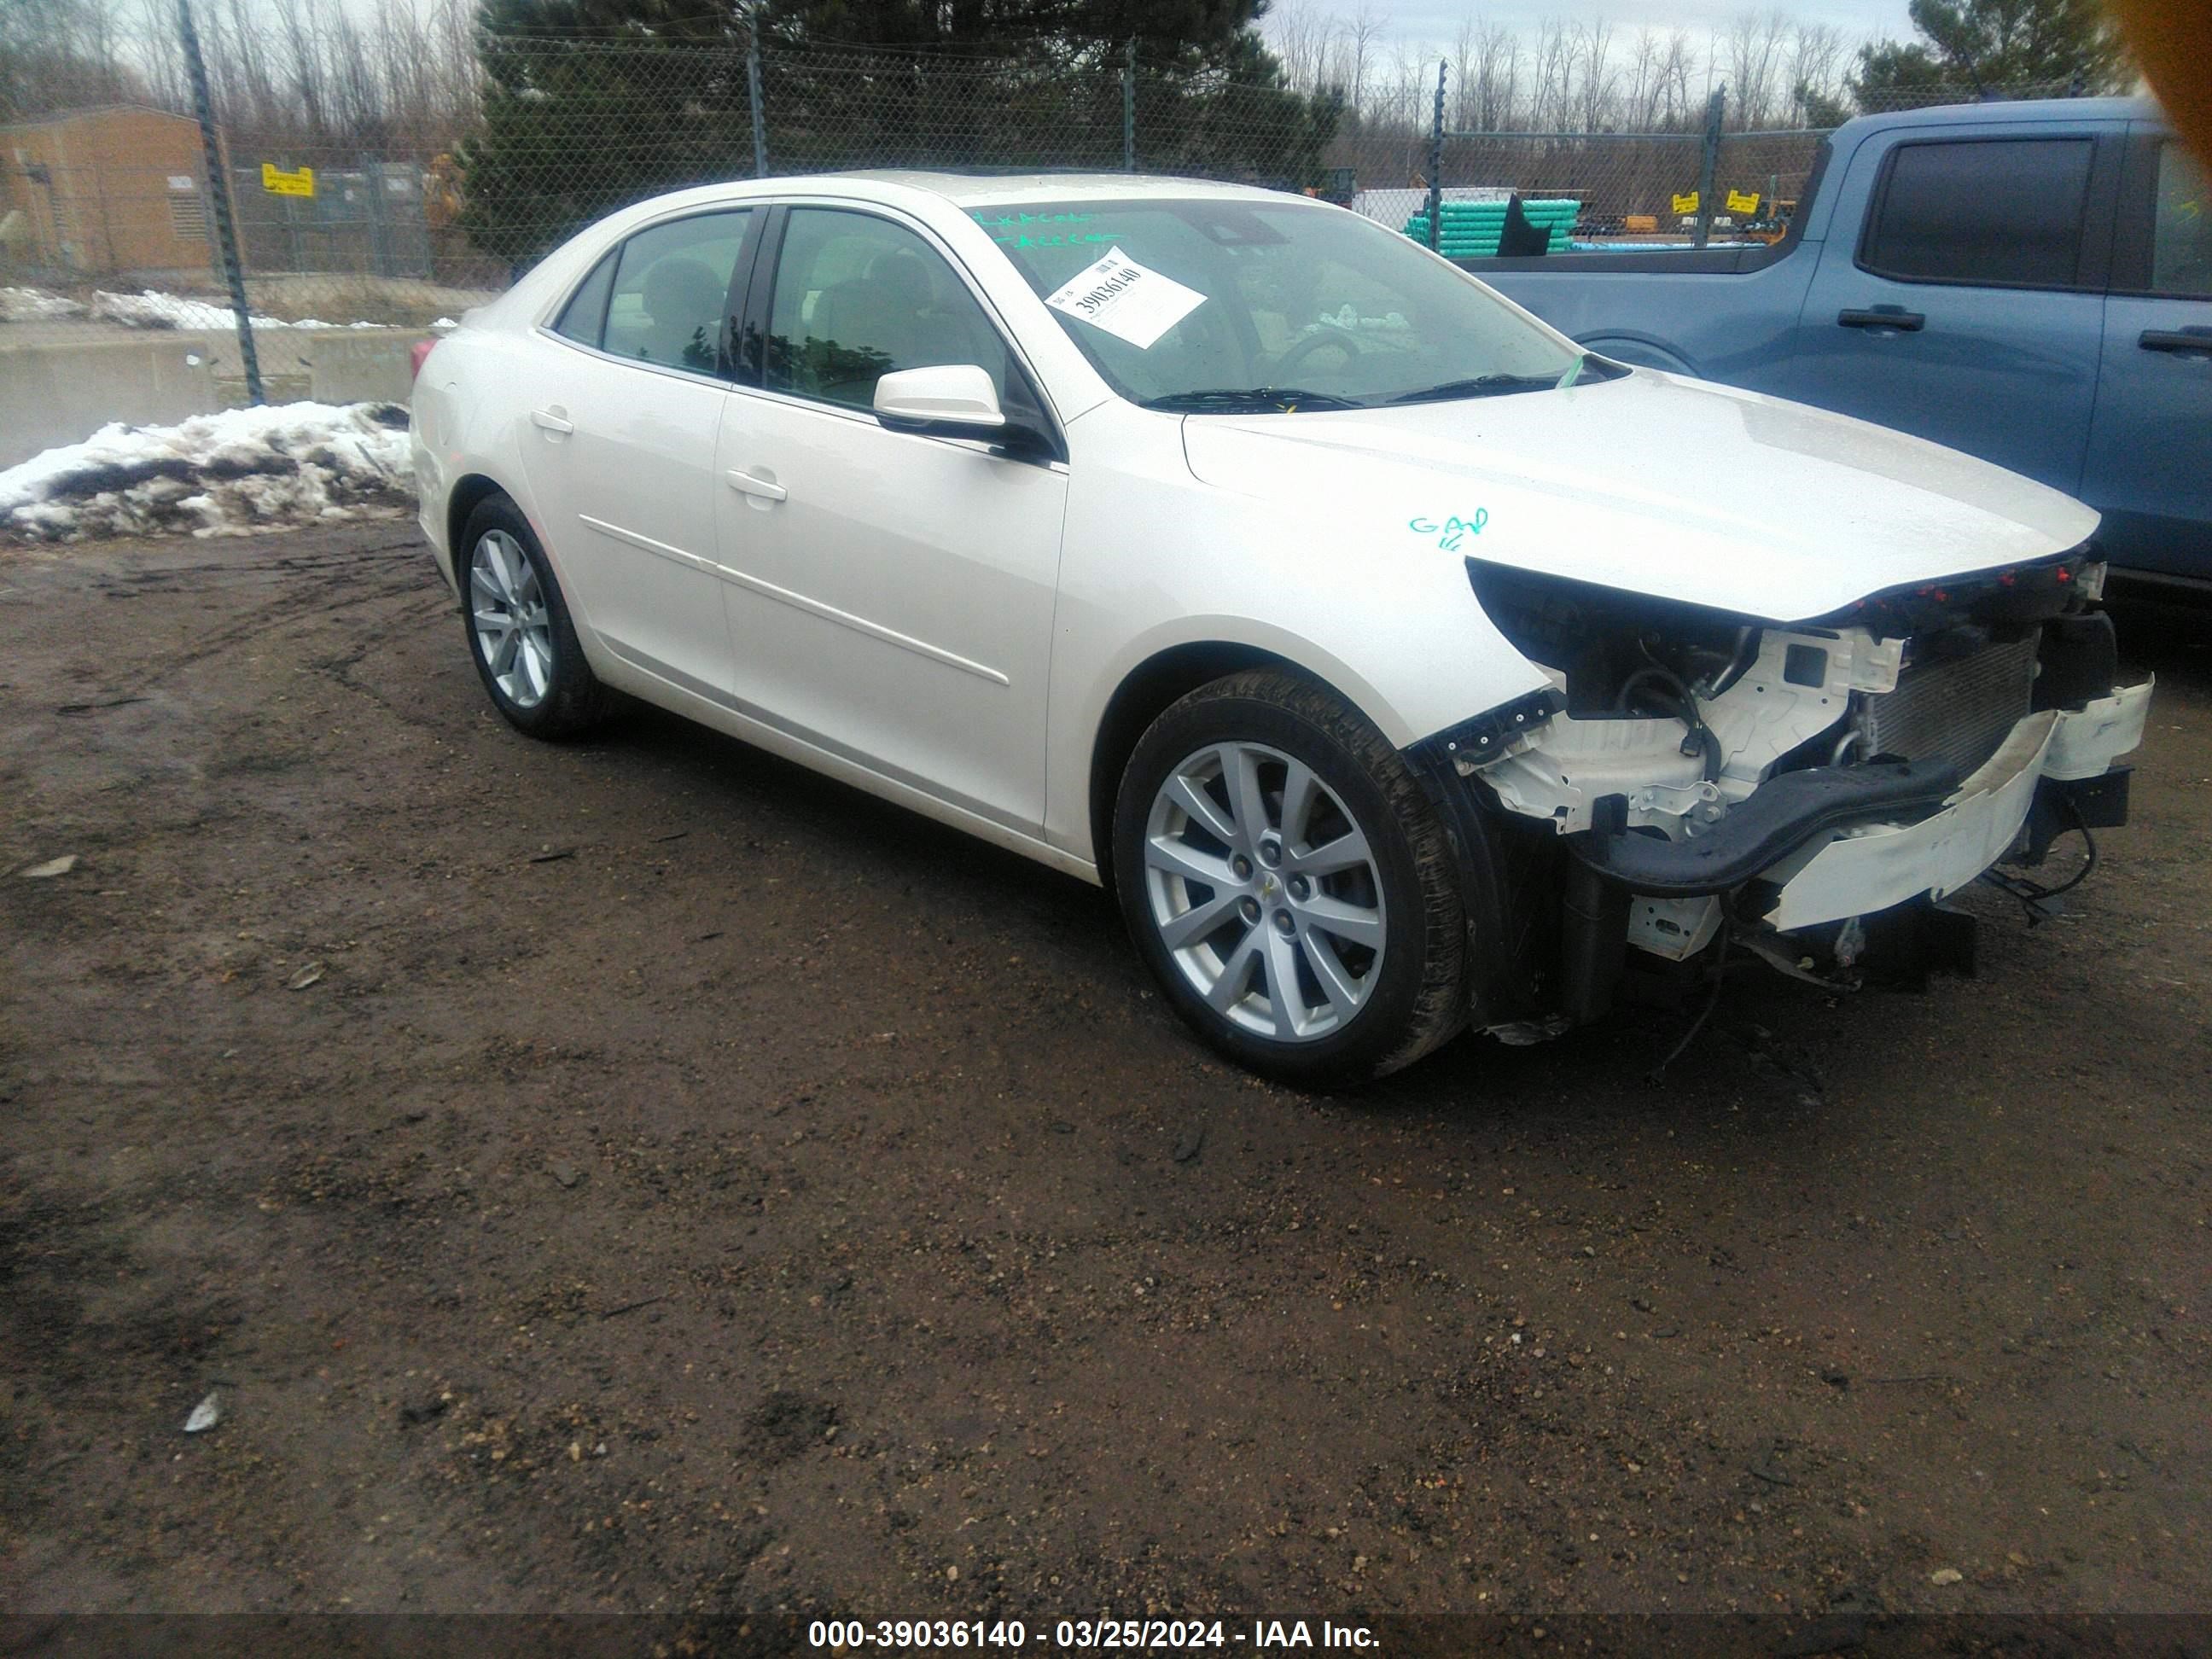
point(585, 313)
point(1998, 212)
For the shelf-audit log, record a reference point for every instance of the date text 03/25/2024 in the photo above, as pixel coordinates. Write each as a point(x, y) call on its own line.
point(1168, 1634)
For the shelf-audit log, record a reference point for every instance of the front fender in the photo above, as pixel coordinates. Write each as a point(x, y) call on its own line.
point(1153, 559)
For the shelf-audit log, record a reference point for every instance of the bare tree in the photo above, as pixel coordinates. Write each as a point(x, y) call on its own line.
point(1640, 96)
point(1755, 45)
point(303, 67)
point(1676, 73)
point(60, 54)
point(1592, 44)
point(1301, 40)
point(1462, 56)
point(1553, 74)
point(162, 67)
point(239, 67)
point(1360, 36)
point(1497, 76)
point(1816, 63)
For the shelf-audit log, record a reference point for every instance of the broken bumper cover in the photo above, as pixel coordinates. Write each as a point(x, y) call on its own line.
point(1873, 866)
point(1780, 817)
point(1850, 842)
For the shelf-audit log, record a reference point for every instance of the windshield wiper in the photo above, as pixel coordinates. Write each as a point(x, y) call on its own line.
point(1479, 386)
point(1281, 399)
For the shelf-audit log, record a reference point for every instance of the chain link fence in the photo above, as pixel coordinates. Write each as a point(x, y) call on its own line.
point(1612, 190)
point(1635, 189)
point(356, 235)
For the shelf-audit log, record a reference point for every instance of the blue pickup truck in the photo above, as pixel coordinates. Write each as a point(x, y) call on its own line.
point(2030, 283)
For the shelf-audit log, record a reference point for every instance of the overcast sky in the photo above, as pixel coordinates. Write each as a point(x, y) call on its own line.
point(1434, 21)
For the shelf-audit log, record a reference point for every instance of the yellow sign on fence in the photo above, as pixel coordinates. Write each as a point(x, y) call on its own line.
point(1741, 202)
point(277, 182)
point(1686, 203)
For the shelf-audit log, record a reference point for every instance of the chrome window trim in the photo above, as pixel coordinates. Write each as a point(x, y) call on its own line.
point(670, 370)
point(548, 314)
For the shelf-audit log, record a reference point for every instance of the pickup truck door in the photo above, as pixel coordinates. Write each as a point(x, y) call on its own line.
point(1960, 294)
point(2149, 471)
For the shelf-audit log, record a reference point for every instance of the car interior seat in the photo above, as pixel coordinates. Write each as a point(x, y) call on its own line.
point(905, 311)
point(683, 300)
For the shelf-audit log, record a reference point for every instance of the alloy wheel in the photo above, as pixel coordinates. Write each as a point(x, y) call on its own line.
point(1265, 891)
point(513, 629)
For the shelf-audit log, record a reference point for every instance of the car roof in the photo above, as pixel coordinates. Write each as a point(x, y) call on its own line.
point(2025, 111)
point(986, 189)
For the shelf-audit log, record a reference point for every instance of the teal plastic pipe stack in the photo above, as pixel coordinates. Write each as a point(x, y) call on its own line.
point(1471, 230)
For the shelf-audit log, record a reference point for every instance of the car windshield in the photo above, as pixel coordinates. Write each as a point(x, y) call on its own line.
point(1222, 306)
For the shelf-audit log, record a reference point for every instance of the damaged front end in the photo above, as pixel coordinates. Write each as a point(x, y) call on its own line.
point(1810, 790)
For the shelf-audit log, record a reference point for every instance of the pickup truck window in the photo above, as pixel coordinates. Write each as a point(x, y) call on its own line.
point(2002, 212)
point(2181, 225)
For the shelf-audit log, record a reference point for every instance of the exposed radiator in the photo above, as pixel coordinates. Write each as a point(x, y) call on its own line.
point(1959, 711)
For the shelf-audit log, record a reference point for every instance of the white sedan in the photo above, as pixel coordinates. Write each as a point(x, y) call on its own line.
point(1400, 665)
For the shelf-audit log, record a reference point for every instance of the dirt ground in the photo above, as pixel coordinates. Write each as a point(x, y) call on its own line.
point(644, 1175)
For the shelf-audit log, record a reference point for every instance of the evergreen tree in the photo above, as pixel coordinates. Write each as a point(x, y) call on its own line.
point(590, 104)
point(1191, 35)
point(1972, 47)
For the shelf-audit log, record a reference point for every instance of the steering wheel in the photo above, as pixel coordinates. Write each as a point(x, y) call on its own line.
point(1343, 339)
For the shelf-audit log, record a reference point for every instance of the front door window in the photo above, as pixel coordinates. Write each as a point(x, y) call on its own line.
point(858, 297)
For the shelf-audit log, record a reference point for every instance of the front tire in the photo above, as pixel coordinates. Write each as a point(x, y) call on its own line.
point(1287, 880)
point(520, 635)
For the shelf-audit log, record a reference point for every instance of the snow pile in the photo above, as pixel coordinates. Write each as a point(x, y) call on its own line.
point(34, 304)
point(154, 309)
point(228, 474)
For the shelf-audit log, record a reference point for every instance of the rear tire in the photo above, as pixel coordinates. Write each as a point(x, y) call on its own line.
point(520, 635)
point(1289, 883)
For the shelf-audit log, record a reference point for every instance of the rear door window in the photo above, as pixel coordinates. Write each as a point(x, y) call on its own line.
point(2181, 226)
point(1994, 212)
point(671, 290)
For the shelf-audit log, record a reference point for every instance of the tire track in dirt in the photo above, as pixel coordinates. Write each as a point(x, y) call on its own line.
point(840, 1180)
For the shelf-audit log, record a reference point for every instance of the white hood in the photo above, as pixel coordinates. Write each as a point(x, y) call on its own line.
point(1653, 483)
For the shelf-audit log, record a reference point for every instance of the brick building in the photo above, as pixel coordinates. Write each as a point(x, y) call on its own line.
point(116, 193)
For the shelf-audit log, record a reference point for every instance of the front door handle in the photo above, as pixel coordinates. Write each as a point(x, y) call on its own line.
point(1894, 317)
point(553, 420)
point(2176, 339)
point(745, 483)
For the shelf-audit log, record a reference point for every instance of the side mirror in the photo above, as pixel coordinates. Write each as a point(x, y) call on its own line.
point(954, 400)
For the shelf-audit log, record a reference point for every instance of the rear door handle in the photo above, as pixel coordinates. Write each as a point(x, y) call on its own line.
point(2176, 339)
point(745, 483)
point(551, 421)
point(1904, 322)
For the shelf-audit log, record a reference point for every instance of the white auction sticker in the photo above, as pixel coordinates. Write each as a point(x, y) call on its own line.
point(1129, 301)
